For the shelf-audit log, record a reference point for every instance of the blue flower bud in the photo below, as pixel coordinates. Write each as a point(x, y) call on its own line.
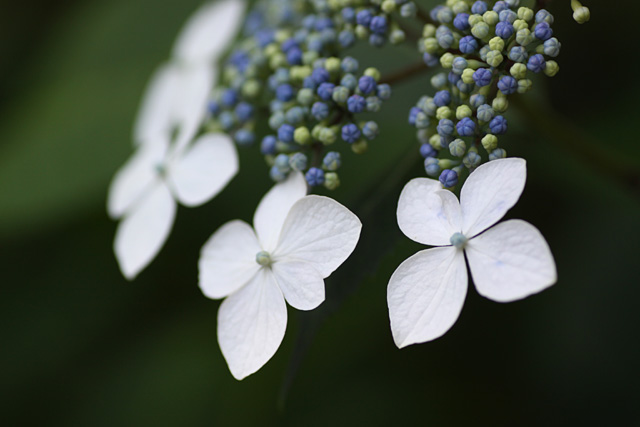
point(507, 16)
point(536, 63)
point(346, 38)
point(350, 133)
point(285, 92)
point(294, 56)
point(226, 120)
point(445, 127)
point(295, 115)
point(349, 81)
point(465, 87)
point(244, 138)
point(498, 153)
point(427, 150)
point(453, 77)
point(378, 24)
point(500, 6)
point(384, 91)
point(370, 130)
point(213, 107)
point(320, 75)
point(349, 64)
point(518, 54)
point(508, 85)
point(282, 163)
point(468, 44)
point(439, 81)
point(367, 84)
point(552, 47)
point(320, 111)
point(364, 17)
point(543, 31)
point(479, 7)
point(471, 160)
point(229, 97)
point(349, 15)
point(331, 161)
point(461, 21)
point(374, 104)
point(430, 60)
point(356, 104)
point(408, 10)
point(432, 166)
point(323, 23)
point(466, 127)
point(325, 90)
point(442, 98)
point(276, 174)
point(498, 125)
point(457, 148)
point(309, 83)
point(504, 30)
point(459, 65)
point(268, 145)
point(298, 161)
point(448, 178)
point(413, 112)
point(543, 15)
point(445, 15)
point(476, 100)
point(422, 120)
point(482, 77)
point(314, 177)
point(512, 3)
point(285, 133)
point(244, 111)
point(445, 37)
point(309, 22)
point(485, 113)
point(276, 120)
point(377, 40)
point(427, 105)
point(275, 105)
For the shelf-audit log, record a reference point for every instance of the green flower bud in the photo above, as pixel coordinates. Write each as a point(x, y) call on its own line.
point(299, 73)
point(551, 68)
point(446, 163)
point(581, 13)
point(524, 37)
point(302, 135)
point(309, 57)
point(251, 88)
point(500, 104)
point(362, 32)
point(278, 60)
point(490, 17)
point(525, 13)
point(463, 111)
point(332, 65)
point(360, 146)
point(435, 141)
point(520, 24)
point(489, 142)
point(494, 58)
point(271, 49)
point(446, 60)
point(474, 19)
point(460, 7)
point(524, 85)
point(430, 45)
point(331, 180)
point(315, 132)
point(372, 72)
point(457, 148)
point(496, 43)
point(443, 113)
point(518, 70)
point(480, 30)
point(327, 136)
point(429, 30)
point(467, 76)
point(388, 6)
point(397, 36)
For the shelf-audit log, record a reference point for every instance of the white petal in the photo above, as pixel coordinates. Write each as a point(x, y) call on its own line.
point(320, 231)
point(204, 169)
point(510, 261)
point(190, 104)
point(251, 325)
point(489, 192)
point(154, 119)
point(144, 230)
point(428, 214)
point(426, 294)
point(209, 30)
point(228, 259)
point(135, 178)
point(274, 208)
point(300, 282)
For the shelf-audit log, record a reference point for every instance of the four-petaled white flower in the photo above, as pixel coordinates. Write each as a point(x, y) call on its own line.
point(175, 100)
point(298, 241)
point(507, 262)
point(145, 190)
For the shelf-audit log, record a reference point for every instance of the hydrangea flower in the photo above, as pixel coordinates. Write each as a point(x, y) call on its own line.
point(508, 262)
point(176, 97)
point(296, 242)
point(145, 190)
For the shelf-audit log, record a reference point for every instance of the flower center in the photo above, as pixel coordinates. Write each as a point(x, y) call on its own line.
point(161, 169)
point(458, 240)
point(263, 258)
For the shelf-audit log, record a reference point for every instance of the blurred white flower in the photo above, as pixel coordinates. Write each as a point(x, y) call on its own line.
point(298, 241)
point(507, 262)
point(145, 190)
point(176, 97)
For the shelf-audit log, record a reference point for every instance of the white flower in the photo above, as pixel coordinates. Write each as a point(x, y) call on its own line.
point(507, 262)
point(298, 241)
point(143, 193)
point(176, 97)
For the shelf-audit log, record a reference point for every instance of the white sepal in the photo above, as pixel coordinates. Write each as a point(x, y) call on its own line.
point(301, 284)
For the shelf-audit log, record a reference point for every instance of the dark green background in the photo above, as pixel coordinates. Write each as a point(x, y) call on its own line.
point(82, 346)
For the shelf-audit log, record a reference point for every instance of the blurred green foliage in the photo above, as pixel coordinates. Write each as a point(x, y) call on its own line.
point(84, 347)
